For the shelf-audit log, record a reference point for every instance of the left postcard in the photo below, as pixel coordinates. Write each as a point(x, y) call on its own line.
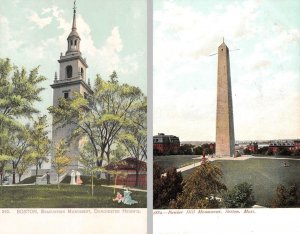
point(73, 116)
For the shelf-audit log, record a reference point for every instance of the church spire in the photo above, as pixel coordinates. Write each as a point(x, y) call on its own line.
point(73, 38)
point(74, 17)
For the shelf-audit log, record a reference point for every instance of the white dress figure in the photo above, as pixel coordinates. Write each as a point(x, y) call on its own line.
point(73, 177)
point(78, 179)
point(127, 198)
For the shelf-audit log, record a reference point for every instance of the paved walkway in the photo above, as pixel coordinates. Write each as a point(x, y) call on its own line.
point(122, 187)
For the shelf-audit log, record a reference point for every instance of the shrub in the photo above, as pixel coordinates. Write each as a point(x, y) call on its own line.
point(165, 188)
point(240, 196)
point(201, 188)
point(285, 197)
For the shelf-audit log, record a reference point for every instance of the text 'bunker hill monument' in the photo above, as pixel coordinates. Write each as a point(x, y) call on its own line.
point(224, 123)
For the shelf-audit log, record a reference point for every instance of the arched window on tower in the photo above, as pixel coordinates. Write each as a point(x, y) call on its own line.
point(71, 42)
point(69, 71)
point(82, 72)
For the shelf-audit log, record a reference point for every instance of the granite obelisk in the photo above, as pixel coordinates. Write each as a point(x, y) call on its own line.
point(224, 125)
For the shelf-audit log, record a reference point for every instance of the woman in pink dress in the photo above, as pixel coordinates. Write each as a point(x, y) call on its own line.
point(78, 179)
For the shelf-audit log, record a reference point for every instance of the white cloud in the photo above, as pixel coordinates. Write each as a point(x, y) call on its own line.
point(39, 21)
point(8, 42)
point(105, 58)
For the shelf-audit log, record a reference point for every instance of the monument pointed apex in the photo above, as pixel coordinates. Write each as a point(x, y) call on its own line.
point(74, 17)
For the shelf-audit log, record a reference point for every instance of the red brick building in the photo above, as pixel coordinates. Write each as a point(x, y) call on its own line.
point(124, 172)
point(252, 147)
point(165, 144)
point(297, 145)
point(275, 147)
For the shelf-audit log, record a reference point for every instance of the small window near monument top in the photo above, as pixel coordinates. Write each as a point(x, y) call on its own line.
point(69, 71)
point(85, 95)
point(66, 95)
point(82, 72)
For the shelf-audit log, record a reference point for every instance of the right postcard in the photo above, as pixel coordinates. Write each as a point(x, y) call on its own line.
point(226, 113)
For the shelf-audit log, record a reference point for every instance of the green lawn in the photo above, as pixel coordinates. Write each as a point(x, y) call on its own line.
point(263, 174)
point(68, 196)
point(174, 160)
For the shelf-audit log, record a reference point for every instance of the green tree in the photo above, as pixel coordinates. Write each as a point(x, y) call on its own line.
point(26, 161)
point(186, 149)
point(285, 152)
point(4, 159)
point(263, 150)
point(89, 162)
point(207, 149)
point(269, 152)
point(297, 152)
point(119, 153)
point(18, 93)
point(61, 159)
point(241, 196)
point(247, 151)
point(100, 116)
point(201, 188)
point(285, 197)
point(165, 187)
point(134, 135)
point(40, 142)
point(198, 150)
point(19, 147)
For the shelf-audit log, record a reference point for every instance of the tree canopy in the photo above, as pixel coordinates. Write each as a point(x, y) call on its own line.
point(241, 196)
point(19, 91)
point(102, 115)
point(201, 188)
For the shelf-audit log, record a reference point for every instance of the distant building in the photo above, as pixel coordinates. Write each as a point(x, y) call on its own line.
point(165, 144)
point(275, 147)
point(296, 145)
point(124, 172)
point(252, 147)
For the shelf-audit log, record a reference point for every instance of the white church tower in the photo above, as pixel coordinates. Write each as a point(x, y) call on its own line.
point(72, 77)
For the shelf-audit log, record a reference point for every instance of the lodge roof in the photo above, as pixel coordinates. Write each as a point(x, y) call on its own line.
point(129, 163)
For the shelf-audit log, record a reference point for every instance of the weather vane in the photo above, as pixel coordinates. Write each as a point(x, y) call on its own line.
point(74, 6)
point(229, 50)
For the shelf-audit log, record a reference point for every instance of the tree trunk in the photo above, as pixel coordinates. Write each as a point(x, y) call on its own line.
point(20, 175)
point(92, 185)
point(99, 162)
point(36, 172)
point(58, 181)
point(115, 184)
point(14, 173)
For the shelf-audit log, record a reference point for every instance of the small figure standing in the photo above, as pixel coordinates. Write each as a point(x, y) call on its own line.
point(73, 177)
point(203, 160)
point(48, 177)
point(119, 198)
point(78, 179)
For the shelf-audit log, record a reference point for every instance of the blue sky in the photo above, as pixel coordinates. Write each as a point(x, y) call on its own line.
point(113, 37)
point(265, 71)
